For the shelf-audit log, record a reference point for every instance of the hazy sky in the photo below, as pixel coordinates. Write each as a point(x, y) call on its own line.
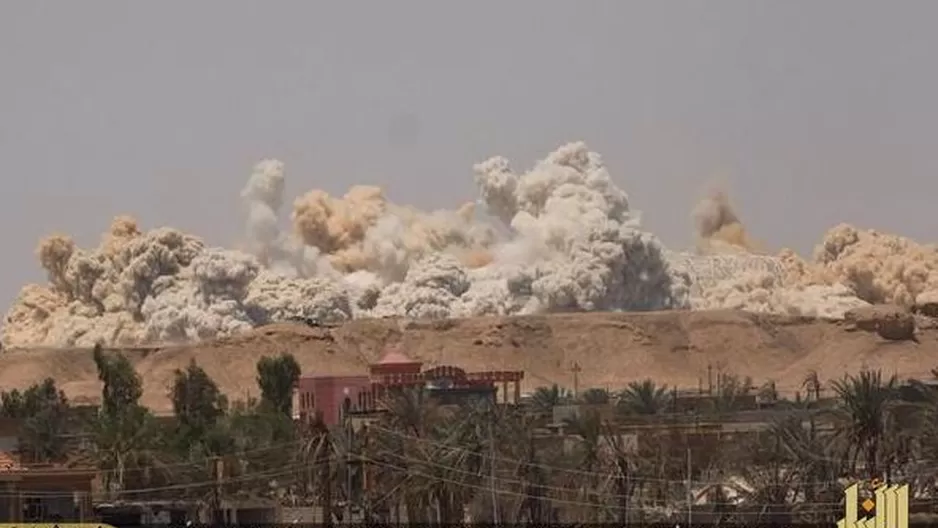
point(816, 112)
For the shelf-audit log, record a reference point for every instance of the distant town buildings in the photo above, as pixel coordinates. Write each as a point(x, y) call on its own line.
point(40, 492)
point(326, 396)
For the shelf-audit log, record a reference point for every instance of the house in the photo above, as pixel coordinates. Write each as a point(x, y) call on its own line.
point(141, 513)
point(179, 513)
point(40, 492)
point(324, 396)
point(328, 396)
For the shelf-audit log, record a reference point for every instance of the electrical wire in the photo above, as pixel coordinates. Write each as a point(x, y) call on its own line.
point(290, 469)
point(548, 487)
point(293, 469)
point(831, 510)
point(589, 473)
point(556, 488)
point(188, 464)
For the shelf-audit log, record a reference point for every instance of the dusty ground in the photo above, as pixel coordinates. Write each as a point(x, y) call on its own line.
point(611, 348)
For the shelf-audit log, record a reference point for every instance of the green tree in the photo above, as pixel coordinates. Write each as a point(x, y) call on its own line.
point(545, 399)
point(317, 460)
point(260, 441)
point(595, 396)
point(812, 385)
point(402, 458)
point(122, 385)
point(518, 438)
point(814, 462)
point(866, 413)
point(44, 414)
point(730, 394)
point(586, 430)
point(202, 435)
point(277, 378)
point(198, 404)
point(644, 398)
point(125, 433)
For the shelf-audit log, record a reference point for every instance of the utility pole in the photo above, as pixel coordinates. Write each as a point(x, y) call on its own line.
point(218, 515)
point(628, 490)
point(690, 491)
point(348, 469)
point(347, 423)
point(492, 463)
point(576, 378)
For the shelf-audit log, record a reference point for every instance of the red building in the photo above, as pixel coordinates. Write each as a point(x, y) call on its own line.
point(326, 395)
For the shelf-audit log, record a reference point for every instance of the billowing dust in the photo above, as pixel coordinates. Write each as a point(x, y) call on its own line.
point(561, 237)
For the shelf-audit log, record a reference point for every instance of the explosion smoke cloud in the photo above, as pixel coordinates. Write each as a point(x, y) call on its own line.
point(718, 227)
point(568, 241)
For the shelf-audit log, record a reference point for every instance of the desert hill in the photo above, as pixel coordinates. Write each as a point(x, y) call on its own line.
point(612, 349)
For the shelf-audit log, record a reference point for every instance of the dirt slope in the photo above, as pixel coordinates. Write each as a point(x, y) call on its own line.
point(611, 348)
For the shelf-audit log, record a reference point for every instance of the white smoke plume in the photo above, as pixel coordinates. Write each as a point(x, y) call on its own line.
point(568, 241)
point(851, 268)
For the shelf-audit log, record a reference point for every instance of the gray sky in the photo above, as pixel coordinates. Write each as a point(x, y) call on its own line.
point(816, 112)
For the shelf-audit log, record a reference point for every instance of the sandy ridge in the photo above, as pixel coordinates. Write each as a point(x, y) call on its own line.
point(612, 349)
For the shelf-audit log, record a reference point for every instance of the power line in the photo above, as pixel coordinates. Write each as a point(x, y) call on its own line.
point(188, 464)
point(592, 473)
point(831, 508)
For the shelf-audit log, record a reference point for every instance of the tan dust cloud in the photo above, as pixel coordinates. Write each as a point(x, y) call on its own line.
point(559, 237)
point(718, 227)
point(849, 263)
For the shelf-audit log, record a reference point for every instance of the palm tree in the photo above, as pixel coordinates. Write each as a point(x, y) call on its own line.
point(816, 457)
point(386, 480)
point(812, 385)
point(770, 476)
point(546, 398)
point(460, 452)
point(406, 446)
point(316, 464)
point(731, 391)
point(923, 399)
point(624, 486)
point(768, 394)
point(518, 439)
point(644, 398)
point(866, 403)
point(595, 396)
point(587, 431)
point(661, 460)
